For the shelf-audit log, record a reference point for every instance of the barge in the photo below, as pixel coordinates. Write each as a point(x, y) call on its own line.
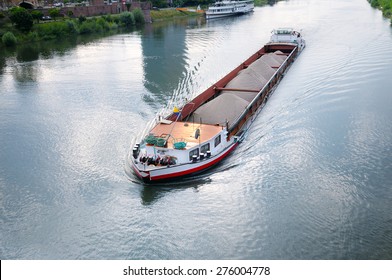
point(196, 136)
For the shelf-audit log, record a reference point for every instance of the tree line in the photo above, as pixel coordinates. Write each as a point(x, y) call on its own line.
point(384, 5)
point(21, 25)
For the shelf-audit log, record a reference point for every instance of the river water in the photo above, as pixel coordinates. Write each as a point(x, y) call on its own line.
point(312, 180)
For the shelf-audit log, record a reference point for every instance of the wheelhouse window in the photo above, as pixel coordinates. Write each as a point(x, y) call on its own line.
point(193, 152)
point(217, 140)
point(205, 148)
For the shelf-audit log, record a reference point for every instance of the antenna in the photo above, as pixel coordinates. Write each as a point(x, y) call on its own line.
point(197, 133)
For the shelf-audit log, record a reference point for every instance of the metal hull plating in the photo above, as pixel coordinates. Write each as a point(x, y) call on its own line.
point(179, 171)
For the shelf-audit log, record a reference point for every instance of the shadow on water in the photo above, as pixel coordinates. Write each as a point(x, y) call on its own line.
point(2, 64)
point(151, 193)
point(165, 57)
point(48, 49)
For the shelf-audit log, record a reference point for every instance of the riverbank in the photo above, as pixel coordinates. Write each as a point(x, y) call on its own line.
point(18, 27)
point(172, 13)
point(384, 5)
point(14, 32)
point(168, 14)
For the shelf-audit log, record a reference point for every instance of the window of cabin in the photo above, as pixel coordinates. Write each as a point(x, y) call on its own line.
point(193, 152)
point(217, 140)
point(205, 148)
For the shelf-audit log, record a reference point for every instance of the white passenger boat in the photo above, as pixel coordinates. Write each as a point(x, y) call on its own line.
point(196, 136)
point(229, 8)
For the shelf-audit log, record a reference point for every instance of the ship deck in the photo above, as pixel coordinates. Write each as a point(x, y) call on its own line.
point(185, 132)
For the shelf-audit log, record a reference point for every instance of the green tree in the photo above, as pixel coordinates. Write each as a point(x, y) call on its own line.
point(82, 19)
point(128, 5)
point(2, 16)
point(178, 3)
point(159, 3)
point(138, 16)
point(9, 39)
point(54, 13)
point(127, 19)
point(22, 19)
point(37, 15)
point(384, 5)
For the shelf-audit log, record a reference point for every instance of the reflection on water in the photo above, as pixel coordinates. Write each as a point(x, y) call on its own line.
point(47, 49)
point(31, 52)
point(164, 59)
point(2, 64)
point(151, 193)
point(28, 52)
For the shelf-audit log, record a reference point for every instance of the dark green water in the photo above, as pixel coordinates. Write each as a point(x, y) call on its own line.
point(313, 180)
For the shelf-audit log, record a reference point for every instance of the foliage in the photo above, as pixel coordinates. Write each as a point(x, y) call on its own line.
point(138, 15)
point(54, 13)
point(52, 30)
point(37, 15)
point(90, 26)
point(178, 3)
point(72, 27)
point(261, 2)
point(21, 18)
point(103, 23)
point(82, 19)
point(108, 18)
point(384, 5)
point(128, 5)
point(9, 39)
point(159, 3)
point(170, 14)
point(113, 25)
point(49, 30)
point(2, 19)
point(33, 36)
point(127, 19)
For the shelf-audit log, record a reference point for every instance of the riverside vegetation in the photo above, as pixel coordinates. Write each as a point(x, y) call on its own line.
point(20, 25)
point(384, 5)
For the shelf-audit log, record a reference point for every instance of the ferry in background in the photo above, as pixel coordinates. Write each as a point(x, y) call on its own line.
point(191, 138)
point(229, 8)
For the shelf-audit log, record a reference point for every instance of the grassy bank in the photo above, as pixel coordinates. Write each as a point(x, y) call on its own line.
point(16, 31)
point(12, 33)
point(384, 5)
point(168, 14)
point(262, 2)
